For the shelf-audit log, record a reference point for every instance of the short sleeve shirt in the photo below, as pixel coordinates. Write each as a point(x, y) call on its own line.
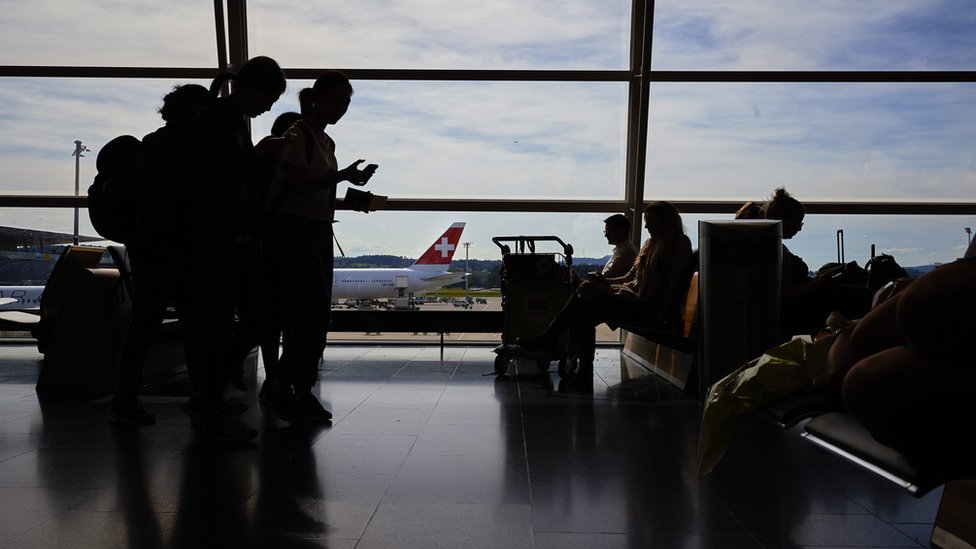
point(621, 261)
point(318, 204)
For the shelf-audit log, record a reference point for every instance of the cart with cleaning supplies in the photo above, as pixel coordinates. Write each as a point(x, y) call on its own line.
point(535, 286)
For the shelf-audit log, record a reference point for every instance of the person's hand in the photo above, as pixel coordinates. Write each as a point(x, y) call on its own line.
point(356, 176)
point(270, 147)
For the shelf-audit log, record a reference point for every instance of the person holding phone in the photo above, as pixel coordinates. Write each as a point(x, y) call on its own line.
point(302, 203)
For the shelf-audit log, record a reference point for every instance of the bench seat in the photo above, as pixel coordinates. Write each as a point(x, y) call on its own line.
point(843, 435)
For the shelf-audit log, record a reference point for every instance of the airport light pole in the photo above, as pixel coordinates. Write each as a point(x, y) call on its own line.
point(466, 245)
point(79, 149)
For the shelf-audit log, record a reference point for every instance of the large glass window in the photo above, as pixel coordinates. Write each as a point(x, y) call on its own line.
point(848, 142)
point(441, 34)
point(409, 234)
point(41, 118)
point(31, 239)
point(898, 35)
point(176, 33)
point(914, 240)
point(483, 139)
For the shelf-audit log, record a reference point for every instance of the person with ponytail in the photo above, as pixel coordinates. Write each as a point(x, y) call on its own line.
point(650, 291)
point(807, 301)
point(302, 203)
point(151, 258)
point(221, 165)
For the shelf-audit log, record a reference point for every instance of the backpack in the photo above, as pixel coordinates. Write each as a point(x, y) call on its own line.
point(883, 269)
point(113, 196)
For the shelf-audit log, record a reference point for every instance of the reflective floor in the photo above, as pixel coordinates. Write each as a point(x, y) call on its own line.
point(431, 453)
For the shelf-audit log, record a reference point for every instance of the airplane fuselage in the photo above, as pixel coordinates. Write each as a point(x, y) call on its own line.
point(385, 283)
point(20, 297)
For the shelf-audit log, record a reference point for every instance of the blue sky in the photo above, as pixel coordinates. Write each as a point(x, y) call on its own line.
point(530, 140)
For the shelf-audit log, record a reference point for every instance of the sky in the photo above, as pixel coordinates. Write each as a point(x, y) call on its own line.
point(538, 140)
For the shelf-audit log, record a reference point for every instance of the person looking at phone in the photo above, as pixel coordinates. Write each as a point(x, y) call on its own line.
point(302, 203)
point(807, 301)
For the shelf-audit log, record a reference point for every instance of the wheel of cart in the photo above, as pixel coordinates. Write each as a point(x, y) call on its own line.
point(535, 286)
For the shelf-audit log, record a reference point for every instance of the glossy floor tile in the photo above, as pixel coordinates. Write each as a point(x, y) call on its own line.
point(430, 453)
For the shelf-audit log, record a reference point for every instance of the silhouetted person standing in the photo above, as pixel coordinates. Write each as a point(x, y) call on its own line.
point(153, 258)
point(303, 201)
point(221, 181)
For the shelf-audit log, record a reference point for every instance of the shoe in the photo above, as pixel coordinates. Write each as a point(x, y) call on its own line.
point(285, 406)
point(229, 430)
point(130, 410)
point(311, 409)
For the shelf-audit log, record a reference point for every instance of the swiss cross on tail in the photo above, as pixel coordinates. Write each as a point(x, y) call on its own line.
point(442, 250)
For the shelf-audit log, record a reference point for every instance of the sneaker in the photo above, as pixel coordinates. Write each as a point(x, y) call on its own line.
point(229, 430)
point(311, 409)
point(130, 410)
point(285, 406)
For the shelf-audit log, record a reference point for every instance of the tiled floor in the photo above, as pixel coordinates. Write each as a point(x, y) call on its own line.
point(430, 453)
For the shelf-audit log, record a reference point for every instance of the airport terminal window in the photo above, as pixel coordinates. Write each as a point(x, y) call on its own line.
point(796, 35)
point(121, 33)
point(491, 140)
point(479, 141)
point(826, 141)
point(914, 240)
point(31, 239)
point(43, 117)
point(508, 34)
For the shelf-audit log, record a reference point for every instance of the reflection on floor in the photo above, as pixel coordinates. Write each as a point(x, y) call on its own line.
point(426, 453)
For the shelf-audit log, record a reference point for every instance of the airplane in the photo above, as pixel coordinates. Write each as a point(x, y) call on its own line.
point(427, 273)
point(21, 298)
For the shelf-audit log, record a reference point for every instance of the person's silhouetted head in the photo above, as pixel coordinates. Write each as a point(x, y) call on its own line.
point(257, 86)
point(616, 228)
point(327, 99)
point(283, 122)
point(787, 209)
point(750, 210)
point(663, 221)
point(183, 99)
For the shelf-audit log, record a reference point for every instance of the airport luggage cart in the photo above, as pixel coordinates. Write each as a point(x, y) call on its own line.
point(534, 289)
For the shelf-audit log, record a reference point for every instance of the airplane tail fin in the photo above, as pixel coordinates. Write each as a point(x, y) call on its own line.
point(438, 256)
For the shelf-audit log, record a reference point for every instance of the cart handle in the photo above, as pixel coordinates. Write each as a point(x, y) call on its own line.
point(523, 242)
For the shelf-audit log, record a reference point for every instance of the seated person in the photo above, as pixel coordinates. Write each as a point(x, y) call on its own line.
point(646, 292)
point(806, 301)
point(905, 369)
point(617, 230)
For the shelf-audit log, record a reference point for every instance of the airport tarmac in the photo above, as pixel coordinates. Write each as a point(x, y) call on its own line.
point(603, 333)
